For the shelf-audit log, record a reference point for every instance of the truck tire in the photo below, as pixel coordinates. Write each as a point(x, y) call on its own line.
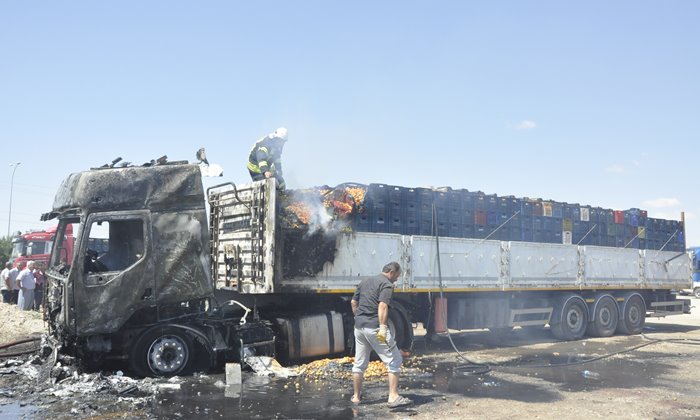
point(570, 320)
point(605, 317)
point(162, 351)
point(696, 292)
point(632, 315)
point(402, 329)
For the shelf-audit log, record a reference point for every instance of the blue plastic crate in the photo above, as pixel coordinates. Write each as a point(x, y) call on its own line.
point(538, 222)
point(411, 223)
point(558, 209)
point(526, 207)
point(492, 218)
point(377, 195)
point(362, 222)
point(380, 220)
point(468, 231)
point(468, 200)
point(539, 235)
point(481, 232)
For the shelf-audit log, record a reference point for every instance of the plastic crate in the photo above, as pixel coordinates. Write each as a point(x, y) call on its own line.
point(585, 213)
point(537, 208)
point(492, 218)
point(481, 231)
point(411, 223)
point(558, 210)
point(538, 222)
point(481, 218)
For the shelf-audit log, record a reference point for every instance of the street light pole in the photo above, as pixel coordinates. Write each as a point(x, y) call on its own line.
point(12, 182)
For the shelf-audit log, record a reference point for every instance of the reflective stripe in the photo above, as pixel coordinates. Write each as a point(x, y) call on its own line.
point(262, 163)
point(253, 168)
point(263, 149)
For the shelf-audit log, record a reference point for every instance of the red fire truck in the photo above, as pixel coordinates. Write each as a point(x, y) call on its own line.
point(36, 245)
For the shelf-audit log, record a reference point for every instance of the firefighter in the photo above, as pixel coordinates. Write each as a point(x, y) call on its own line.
point(264, 160)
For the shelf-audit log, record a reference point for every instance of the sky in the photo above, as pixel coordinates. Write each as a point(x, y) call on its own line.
point(593, 102)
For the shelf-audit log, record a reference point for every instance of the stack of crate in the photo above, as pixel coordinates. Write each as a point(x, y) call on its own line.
point(474, 214)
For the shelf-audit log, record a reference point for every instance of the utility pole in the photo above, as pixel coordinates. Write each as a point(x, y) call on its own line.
point(12, 182)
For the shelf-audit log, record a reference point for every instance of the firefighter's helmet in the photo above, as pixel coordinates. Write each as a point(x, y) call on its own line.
point(280, 133)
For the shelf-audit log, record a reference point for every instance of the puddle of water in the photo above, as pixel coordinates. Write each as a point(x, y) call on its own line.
point(426, 381)
point(15, 411)
point(257, 398)
point(571, 376)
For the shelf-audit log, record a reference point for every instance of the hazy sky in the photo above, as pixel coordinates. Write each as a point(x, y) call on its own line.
point(594, 103)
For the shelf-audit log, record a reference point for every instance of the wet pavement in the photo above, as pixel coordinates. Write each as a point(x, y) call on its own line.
point(525, 367)
point(522, 374)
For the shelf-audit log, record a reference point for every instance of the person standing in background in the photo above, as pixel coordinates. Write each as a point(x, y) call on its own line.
point(26, 283)
point(40, 279)
point(5, 285)
point(14, 296)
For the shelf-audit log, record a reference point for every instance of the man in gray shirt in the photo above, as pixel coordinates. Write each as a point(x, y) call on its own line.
point(370, 305)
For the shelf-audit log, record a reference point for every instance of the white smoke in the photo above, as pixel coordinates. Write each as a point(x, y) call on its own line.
point(319, 217)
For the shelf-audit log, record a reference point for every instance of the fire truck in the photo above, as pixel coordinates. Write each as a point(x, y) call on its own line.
point(36, 245)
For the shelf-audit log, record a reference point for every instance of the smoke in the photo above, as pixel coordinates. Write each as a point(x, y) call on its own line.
point(319, 218)
point(318, 210)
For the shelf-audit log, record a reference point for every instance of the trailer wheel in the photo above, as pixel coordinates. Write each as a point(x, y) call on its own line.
point(162, 351)
point(571, 319)
point(632, 315)
point(605, 318)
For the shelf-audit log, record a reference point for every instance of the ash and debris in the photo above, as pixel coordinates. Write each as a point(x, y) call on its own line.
point(48, 380)
point(340, 369)
point(311, 220)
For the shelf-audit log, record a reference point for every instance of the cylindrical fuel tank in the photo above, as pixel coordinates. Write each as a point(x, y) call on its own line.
point(312, 335)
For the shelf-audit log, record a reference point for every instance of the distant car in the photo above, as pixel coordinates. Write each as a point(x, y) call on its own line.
point(695, 291)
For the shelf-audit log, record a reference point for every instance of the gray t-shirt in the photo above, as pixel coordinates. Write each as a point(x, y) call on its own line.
point(368, 294)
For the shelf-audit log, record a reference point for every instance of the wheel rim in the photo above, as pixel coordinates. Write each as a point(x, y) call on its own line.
point(167, 355)
point(605, 316)
point(633, 315)
point(574, 318)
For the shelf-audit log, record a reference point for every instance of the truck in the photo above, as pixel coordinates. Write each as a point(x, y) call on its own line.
point(36, 245)
point(188, 279)
point(695, 287)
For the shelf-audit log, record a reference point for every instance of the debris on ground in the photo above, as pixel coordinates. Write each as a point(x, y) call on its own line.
point(268, 366)
point(341, 369)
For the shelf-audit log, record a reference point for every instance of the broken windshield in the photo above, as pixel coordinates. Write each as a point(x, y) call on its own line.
point(63, 253)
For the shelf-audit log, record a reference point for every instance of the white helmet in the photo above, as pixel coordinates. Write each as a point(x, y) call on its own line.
point(280, 133)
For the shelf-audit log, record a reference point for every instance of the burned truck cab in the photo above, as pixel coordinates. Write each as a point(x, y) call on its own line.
point(140, 263)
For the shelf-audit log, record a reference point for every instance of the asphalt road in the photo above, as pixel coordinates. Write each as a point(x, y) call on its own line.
point(520, 374)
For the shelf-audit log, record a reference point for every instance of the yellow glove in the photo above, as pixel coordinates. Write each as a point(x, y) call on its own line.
point(381, 334)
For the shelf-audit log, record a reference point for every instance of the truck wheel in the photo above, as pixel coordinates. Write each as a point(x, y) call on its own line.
point(570, 321)
point(696, 292)
point(162, 351)
point(632, 315)
point(401, 328)
point(605, 318)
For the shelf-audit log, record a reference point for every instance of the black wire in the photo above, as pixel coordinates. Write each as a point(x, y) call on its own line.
point(443, 308)
point(651, 341)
